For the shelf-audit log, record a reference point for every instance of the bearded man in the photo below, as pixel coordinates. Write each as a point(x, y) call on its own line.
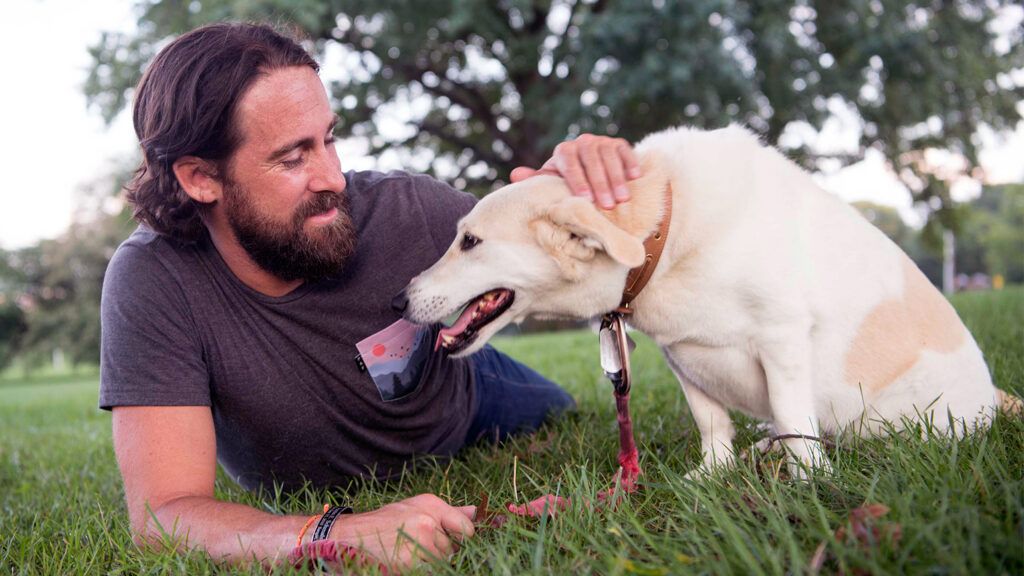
point(242, 319)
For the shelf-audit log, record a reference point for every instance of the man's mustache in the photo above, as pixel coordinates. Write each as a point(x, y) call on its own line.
point(319, 204)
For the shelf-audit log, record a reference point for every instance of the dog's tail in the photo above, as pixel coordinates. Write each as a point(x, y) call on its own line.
point(1009, 403)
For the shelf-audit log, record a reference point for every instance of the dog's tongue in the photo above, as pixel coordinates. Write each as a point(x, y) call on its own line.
point(458, 327)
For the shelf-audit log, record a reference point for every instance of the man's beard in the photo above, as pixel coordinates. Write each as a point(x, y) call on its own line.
point(285, 249)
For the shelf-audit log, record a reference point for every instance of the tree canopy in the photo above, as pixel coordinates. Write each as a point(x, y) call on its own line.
point(487, 86)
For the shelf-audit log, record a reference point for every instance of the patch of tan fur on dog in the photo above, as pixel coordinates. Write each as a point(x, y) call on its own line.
point(890, 339)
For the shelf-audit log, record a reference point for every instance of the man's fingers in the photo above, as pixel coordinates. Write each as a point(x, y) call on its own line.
point(458, 522)
point(629, 159)
point(567, 161)
point(469, 511)
point(443, 545)
point(594, 167)
point(613, 167)
point(521, 173)
point(596, 175)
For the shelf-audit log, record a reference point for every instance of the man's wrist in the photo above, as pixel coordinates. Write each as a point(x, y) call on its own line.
point(305, 534)
point(327, 521)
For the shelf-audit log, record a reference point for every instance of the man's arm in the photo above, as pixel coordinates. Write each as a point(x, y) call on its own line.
point(167, 457)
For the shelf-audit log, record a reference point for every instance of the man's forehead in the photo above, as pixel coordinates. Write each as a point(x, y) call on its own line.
point(282, 104)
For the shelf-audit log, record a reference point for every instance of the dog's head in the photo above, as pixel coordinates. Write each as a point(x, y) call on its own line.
point(528, 249)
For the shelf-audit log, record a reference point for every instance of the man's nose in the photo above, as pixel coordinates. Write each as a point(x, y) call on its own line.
point(400, 302)
point(327, 176)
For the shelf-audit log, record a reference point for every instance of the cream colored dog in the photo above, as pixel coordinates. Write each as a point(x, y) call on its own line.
point(772, 297)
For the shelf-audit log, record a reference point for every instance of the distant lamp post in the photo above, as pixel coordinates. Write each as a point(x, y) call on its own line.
point(948, 262)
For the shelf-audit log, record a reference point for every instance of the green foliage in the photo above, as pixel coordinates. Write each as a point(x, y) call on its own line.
point(911, 241)
point(60, 290)
point(495, 85)
point(959, 504)
point(888, 220)
point(56, 284)
point(12, 328)
point(991, 238)
point(12, 318)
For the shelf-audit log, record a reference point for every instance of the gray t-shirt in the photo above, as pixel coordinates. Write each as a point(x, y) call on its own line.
point(290, 402)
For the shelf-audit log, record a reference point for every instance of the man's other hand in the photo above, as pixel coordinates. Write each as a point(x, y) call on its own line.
point(407, 532)
point(596, 167)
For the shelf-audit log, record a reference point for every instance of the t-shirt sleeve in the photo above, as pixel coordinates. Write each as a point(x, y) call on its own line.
point(150, 353)
point(443, 207)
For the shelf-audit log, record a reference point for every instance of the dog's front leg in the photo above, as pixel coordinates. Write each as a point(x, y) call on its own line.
point(786, 359)
point(713, 422)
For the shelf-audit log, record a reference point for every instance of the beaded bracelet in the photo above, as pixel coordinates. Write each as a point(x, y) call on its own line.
point(305, 527)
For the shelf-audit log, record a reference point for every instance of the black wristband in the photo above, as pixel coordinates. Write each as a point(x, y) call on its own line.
point(323, 527)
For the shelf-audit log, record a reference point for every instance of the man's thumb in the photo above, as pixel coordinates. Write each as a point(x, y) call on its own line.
point(521, 173)
point(469, 511)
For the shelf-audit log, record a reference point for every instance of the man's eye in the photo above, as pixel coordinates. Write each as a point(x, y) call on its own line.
point(292, 162)
point(469, 241)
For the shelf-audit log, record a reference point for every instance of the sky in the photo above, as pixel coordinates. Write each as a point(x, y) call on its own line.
point(53, 145)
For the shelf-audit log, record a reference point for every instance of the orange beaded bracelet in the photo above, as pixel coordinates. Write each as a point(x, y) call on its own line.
point(305, 527)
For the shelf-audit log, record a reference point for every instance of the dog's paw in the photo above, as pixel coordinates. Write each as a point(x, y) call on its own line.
point(699, 474)
point(803, 470)
point(713, 461)
point(810, 460)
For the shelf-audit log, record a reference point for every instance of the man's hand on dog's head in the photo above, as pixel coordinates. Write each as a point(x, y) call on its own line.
point(596, 167)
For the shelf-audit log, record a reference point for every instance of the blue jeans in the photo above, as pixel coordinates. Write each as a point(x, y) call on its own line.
point(511, 397)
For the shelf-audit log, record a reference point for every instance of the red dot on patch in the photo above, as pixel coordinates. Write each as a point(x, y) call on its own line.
point(379, 350)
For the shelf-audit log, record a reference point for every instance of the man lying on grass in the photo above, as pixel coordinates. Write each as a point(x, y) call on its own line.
point(248, 320)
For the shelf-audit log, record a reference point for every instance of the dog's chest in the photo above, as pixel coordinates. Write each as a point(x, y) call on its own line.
point(707, 335)
point(730, 375)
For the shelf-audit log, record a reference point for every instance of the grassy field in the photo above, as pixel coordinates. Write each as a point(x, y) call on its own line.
point(953, 507)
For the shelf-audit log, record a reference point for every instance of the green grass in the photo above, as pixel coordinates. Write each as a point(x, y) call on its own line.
point(958, 505)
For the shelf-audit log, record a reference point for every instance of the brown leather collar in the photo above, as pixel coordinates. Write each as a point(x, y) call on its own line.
point(653, 245)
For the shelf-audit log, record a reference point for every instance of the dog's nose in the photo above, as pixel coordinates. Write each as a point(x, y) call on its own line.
point(400, 302)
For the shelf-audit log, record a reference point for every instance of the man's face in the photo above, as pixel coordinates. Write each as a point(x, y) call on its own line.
point(283, 189)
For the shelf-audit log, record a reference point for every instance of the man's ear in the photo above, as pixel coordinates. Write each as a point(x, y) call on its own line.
point(582, 218)
point(198, 178)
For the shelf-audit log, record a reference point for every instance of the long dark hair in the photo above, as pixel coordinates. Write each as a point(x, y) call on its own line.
point(185, 106)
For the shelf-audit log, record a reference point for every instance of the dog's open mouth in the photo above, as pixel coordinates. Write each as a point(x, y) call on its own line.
point(480, 312)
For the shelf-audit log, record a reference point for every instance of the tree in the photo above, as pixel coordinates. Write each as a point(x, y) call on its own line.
point(12, 318)
point(64, 278)
point(888, 220)
point(991, 239)
point(57, 282)
point(492, 85)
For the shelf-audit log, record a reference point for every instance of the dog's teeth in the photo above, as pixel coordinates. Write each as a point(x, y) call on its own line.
point(448, 339)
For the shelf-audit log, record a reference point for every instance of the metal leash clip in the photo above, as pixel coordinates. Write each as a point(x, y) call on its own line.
point(616, 347)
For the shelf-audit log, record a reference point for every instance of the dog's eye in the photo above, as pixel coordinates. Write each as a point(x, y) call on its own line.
point(469, 241)
point(574, 236)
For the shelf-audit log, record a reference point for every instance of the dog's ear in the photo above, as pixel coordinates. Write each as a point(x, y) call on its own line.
point(580, 217)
